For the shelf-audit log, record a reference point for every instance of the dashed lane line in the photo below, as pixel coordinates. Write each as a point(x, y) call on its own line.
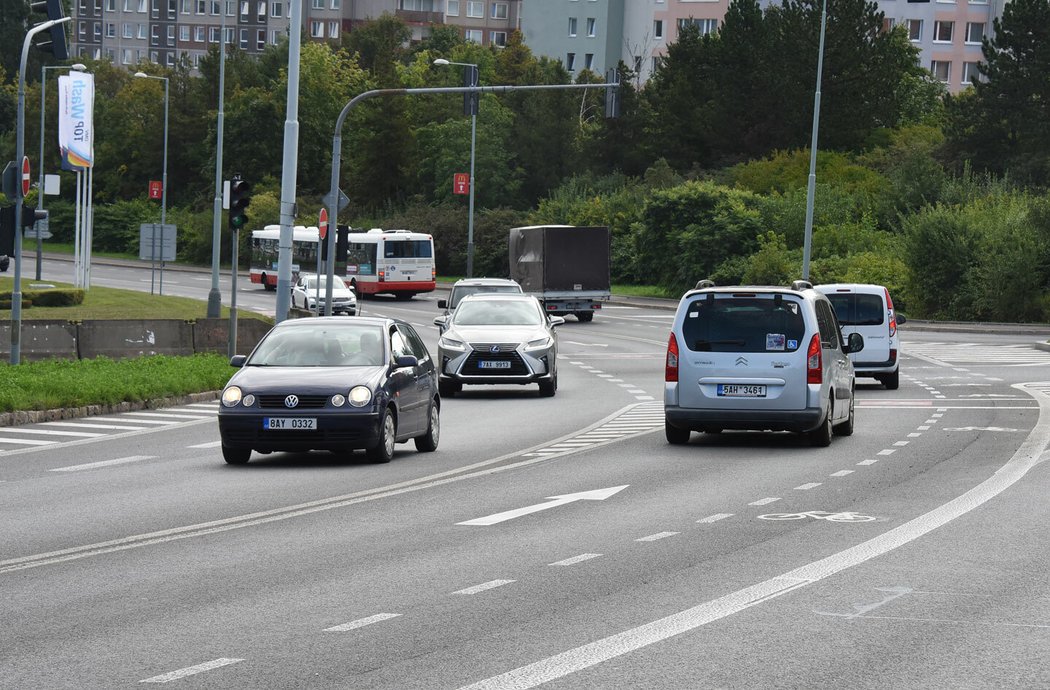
point(362, 622)
point(104, 463)
point(191, 671)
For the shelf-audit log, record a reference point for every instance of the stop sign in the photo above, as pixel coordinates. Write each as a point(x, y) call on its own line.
point(25, 175)
point(322, 223)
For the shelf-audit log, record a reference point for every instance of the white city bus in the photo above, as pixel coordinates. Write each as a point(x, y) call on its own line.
point(395, 262)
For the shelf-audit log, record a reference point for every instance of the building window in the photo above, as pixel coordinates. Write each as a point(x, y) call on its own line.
point(170, 58)
point(316, 29)
point(333, 29)
point(657, 61)
point(142, 32)
point(475, 9)
point(276, 10)
point(187, 6)
point(213, 34)
point(171, 36)
point(588, 60)
point(592, 26)
point(942, 70)
point(198, 34)
point(111, 5)
point(472, 35)
point(658, 28)
point(216, 8)
point(942, 32)
point(260, 11)
point(127, 5)
point(172, 8)
point(335, 5)
point(452, 10)
point(231, 8)
point(82, 31)
point(153, 56)
point(111, 30)
point(231, 35)
point(887, 24)
point(142, 6)
point(244, 9)
point(572, 26)
point(154, 35)
point(971, 73)
point(706, 26)
point(202, 7)
point(129, 30)
point(98, 31)
point(317, 4)
point(915, 30)
point(126, 56)
point(570, 61)
point(154, 11)
point(498, 38)
point(499, 10)
point(244, 39)
point(275, 36)
point(260, 39)
point(974, 32)
point(184, 32)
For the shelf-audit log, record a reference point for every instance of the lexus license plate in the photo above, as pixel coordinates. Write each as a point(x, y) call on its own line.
point(494, 364)
point(741, 390)
point(291, 423)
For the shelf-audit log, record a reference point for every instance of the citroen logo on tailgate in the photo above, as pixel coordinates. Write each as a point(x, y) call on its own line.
point(741, 361)
point(291, 401)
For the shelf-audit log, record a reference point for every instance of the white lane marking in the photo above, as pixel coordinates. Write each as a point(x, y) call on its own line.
point(887, 451)
point(867, 462)
point(585, 656)
point(362, 622)
point(914, 434)
point(27, 442)
point(577, 559)
point(927, 424)
point(104, 463)
point(154, 422)
point(841, 473)
point(52, 432)
point(605, 376)
point(210, 444)
point(484, 586)
point(764, 501)
point(807, 487)
point(551, 502)
point(716, 517)
point(615, 380)
point(901, 443)
point(658, 535)
point(937, 415)
point(79, 425)
point(644, 397)
point(191, 670)
point(166, 415)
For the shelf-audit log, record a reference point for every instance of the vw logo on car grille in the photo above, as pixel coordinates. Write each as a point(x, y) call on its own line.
point(291, 401)
point(741, 361)
point(494, 348)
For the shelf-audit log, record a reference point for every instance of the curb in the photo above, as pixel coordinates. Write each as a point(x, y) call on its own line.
point(37, 416)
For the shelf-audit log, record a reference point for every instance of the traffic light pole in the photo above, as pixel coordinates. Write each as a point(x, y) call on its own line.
point(20, 152)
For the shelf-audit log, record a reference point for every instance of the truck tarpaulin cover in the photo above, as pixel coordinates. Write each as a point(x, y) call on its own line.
point(560, 257)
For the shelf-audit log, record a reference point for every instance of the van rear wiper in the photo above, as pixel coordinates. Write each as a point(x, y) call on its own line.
point(702, 344)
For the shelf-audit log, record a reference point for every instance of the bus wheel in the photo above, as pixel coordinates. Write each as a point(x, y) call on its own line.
point(403, 296)
point(266, 283)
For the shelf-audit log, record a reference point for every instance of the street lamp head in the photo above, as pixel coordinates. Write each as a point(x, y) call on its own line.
point(79, 67)
point(141, 74)
point(442, 62)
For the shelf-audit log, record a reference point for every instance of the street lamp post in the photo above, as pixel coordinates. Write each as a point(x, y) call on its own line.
point(164, 174)
point(811, 187)
point(40, 185)
point(473, 139)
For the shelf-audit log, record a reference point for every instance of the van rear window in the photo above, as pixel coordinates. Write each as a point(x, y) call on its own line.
point(744, 324)
point(858, 310)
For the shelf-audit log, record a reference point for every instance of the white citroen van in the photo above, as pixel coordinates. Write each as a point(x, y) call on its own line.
point(759, 358)
point(868, 310)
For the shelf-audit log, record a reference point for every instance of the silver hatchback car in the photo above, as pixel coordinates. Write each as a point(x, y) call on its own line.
point(758, 358)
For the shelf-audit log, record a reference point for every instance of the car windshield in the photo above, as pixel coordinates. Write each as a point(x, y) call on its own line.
point(858, 310)
point(321, 346)
point(312, 283)
point(497, 313)
point(462, 291)
point(743, 324)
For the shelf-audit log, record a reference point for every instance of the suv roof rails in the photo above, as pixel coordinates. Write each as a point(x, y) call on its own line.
point(705, 283)
point(801, 285)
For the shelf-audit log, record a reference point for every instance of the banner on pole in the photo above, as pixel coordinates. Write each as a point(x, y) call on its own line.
point(76, 133)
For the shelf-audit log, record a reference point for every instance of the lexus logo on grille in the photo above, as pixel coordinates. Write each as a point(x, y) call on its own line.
point(494, 348)
point(741, 361)
point(291, 401)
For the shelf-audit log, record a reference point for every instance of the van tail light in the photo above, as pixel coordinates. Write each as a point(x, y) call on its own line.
point(893, 315)
point(814, 368)
point(382, 276)
point(671, 364)
point(433, 274)
point(893, 355)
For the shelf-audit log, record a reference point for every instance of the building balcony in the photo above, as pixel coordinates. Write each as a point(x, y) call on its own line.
point(420, 17)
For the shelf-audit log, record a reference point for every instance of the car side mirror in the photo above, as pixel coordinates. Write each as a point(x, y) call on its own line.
point(557, 320)
point(901, 319)
point(440, 321)
point(855, 343)
point(405, 361)
point(237, 361)
point(442, 304)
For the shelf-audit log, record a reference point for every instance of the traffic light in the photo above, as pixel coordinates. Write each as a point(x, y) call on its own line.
point(612, 94)
point(57, 45)
point(7, 231)
point(31, 214)
point(470, 100)
point(240, 197)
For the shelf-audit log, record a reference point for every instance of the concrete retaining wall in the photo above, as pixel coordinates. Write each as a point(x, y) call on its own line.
point(118, 339)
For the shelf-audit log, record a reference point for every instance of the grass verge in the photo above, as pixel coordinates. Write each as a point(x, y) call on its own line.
point(73, 383)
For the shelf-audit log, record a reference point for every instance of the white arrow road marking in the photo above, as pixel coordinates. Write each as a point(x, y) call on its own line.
point(553, 502)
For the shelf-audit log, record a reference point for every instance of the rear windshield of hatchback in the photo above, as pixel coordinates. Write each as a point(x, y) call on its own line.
point(858, 310)
point(744, 324)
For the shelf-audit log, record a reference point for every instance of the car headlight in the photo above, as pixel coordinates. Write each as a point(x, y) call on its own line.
point(541, 344)
point(451, 344)
point(360, 396)
point(231, 396)
point(248, 400)
point(338, 400)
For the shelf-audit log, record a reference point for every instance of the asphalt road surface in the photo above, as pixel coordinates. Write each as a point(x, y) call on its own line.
point(549, 541)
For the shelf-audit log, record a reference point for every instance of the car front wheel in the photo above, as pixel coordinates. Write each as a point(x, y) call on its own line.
point(383, 450)
point(236, 456)
point(428, 442)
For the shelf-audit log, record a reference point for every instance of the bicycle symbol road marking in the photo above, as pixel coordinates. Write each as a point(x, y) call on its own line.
point(819, 515)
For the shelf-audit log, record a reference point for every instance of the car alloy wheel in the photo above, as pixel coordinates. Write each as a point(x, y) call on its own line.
point(428, 442)
point(383, 450)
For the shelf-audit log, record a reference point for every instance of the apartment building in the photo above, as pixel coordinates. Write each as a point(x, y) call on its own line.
point(583, 34)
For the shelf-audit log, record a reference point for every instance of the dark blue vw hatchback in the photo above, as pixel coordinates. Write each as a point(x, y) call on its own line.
point(332, 383)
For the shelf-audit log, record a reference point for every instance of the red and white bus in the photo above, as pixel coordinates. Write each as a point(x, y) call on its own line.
point(395, 262)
